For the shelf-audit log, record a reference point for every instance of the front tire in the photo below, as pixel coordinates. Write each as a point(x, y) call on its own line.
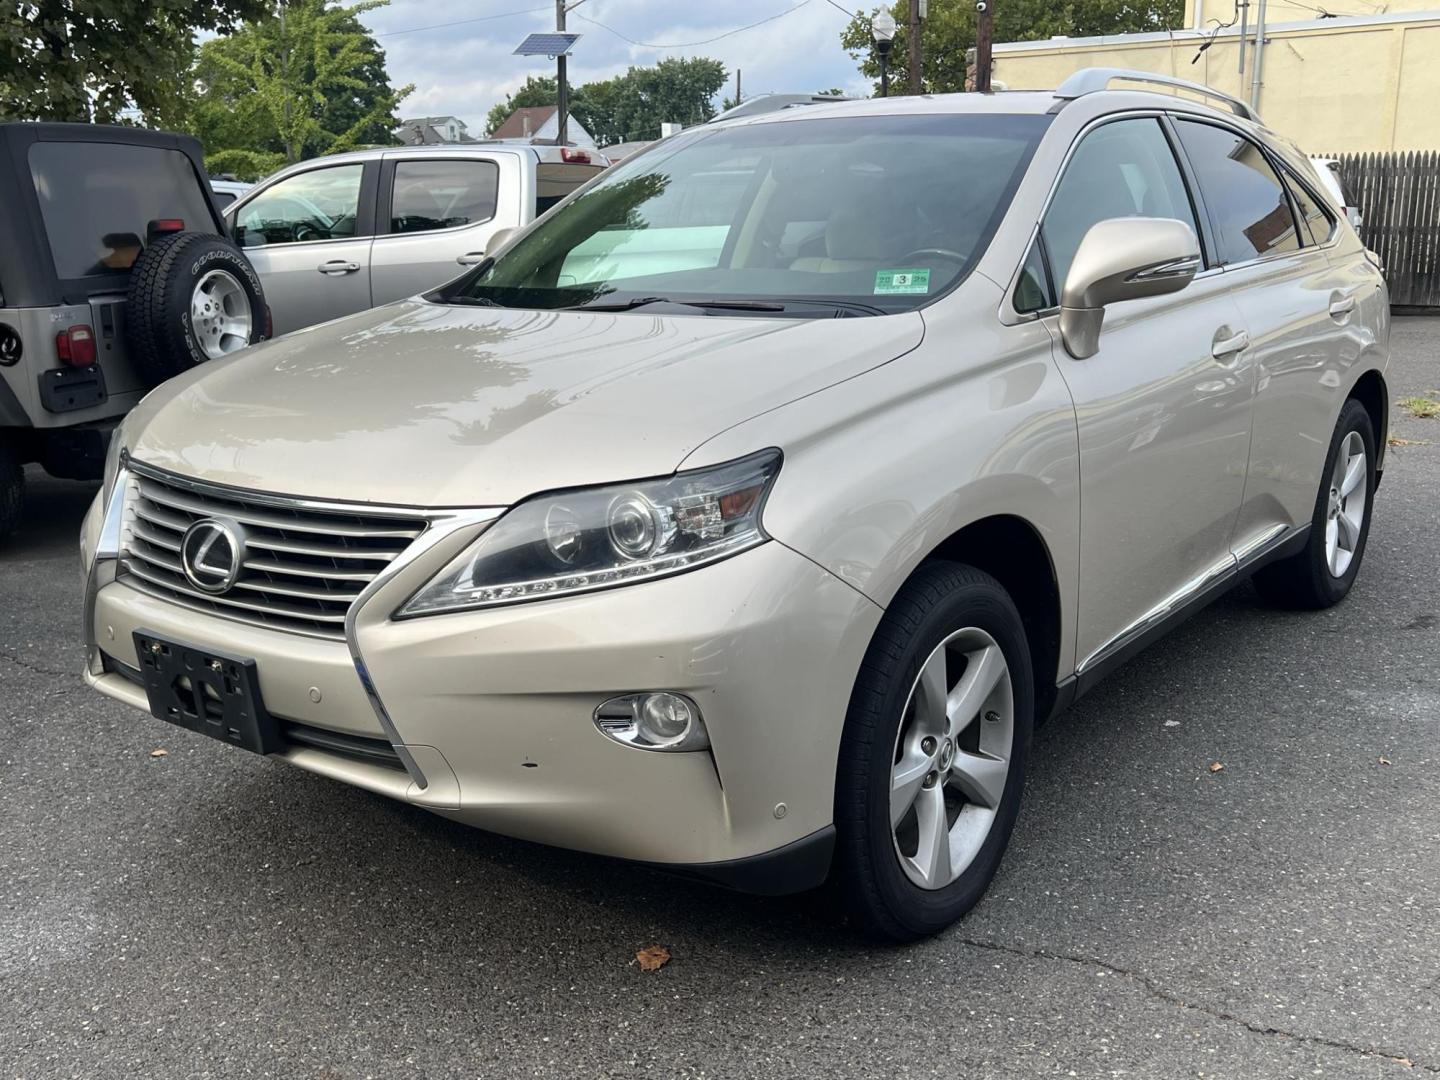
point(1323, 571)
point(932, 760)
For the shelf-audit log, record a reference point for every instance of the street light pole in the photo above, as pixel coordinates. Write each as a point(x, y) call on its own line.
point(984, 35)
point(882, 30)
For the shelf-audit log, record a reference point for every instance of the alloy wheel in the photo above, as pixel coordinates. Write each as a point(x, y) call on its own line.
point(1349, 483)
point(220, 314)
point(952, 758)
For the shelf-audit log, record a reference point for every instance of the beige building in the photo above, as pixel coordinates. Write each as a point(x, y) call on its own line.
point(1366, 79)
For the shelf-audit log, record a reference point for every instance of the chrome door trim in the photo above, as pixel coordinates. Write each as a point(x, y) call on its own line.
point(1231, 567)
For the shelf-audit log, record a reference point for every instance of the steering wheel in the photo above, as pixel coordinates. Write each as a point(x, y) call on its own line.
point(944, 253)
point(304, 232)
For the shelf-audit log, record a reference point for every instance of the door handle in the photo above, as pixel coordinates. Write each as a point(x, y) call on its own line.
point(470, 258)
point(1229, 346)
point(1341, 307)
point(338, 266)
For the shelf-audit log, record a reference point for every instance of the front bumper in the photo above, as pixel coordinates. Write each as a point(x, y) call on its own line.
point(495, 707)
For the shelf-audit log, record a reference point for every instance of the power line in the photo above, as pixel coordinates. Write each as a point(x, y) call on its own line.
point(691, 44)
point(842, 8)
point(461, 22)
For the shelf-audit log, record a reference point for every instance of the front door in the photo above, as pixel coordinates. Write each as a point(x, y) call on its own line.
point(308, 237)
point(1163, 409)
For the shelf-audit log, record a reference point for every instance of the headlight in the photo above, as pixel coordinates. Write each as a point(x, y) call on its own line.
point(597, 538)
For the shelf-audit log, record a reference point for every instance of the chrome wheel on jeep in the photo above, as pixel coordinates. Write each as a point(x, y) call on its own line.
point(952, 758)
point(220, 315)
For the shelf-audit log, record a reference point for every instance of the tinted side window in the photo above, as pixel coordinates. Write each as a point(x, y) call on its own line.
point(1315, 223)
point(97, 199)
point(1122, 169)
point(1246, 200)
point(322, 204)
point(442, 194)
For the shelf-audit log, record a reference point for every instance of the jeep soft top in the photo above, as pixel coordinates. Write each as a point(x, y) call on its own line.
point(114, 275)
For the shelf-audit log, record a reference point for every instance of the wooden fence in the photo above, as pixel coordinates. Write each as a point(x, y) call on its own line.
point(1399, 199)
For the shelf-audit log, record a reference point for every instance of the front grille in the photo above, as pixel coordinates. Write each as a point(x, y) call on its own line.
point(303, 565)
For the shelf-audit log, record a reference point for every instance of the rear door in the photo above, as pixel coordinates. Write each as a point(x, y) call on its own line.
point(309, 237)
point(1294, 303)
point(436, 211)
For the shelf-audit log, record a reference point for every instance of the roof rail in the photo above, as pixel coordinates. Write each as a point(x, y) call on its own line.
point(1093, 80)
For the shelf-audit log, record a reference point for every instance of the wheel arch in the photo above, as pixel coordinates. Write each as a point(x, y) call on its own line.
point(1371, 391)
point(1013, 551)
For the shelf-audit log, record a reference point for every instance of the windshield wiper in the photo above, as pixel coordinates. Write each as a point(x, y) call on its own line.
point(474, 301)
point(720, 303)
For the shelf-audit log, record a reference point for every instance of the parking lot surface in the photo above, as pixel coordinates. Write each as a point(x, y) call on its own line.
point(211, 913)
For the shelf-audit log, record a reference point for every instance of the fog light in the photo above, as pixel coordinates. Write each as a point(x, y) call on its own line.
point(653, 721)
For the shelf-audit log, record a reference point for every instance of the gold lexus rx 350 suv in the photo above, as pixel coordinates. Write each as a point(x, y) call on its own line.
point(744, 513)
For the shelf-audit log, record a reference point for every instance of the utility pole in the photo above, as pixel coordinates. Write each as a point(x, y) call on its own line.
point(738, 97)
point(916, 87)
point(984, 37)
point(562, 92)
point(1257, 56)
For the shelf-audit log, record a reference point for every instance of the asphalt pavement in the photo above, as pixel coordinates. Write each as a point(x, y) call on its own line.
point(209, 913)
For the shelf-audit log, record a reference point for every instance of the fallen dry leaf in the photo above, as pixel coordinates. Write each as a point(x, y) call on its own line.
point(159, 751)
point(1385, 761)
point(1395, 440)
point(653, 958)
point(1216, 766)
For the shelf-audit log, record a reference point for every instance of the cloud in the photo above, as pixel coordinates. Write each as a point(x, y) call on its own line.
point(464, 68)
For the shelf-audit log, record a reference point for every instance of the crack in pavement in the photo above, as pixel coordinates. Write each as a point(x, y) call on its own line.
point(1167, 995)
point(31, 666)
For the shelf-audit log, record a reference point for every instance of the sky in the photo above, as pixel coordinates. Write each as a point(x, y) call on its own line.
point(464, 68)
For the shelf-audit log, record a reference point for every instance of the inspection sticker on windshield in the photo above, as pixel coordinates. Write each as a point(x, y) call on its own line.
point(900, 282)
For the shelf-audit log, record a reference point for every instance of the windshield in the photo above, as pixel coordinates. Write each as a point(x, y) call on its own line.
point(846, 215)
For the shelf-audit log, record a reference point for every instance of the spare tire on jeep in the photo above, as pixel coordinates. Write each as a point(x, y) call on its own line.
point(193, 297)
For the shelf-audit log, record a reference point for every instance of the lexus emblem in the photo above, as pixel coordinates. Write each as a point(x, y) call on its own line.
point(211, 553)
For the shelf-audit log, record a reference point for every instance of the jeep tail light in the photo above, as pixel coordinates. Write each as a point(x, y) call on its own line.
point(160, 226)
point(76, 346)
point(574, 157)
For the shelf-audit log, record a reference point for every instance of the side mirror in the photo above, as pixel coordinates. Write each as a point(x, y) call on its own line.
point(497, 240)
point(1122, 259)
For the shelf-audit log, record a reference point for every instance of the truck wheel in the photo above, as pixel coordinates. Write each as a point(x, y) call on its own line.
point(192, 298)
point(12, 490)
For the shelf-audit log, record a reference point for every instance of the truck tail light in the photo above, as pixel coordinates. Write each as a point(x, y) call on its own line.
point(76, 346)
point(574, 157)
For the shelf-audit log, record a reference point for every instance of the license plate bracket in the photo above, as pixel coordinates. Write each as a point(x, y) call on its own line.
point(206, 691)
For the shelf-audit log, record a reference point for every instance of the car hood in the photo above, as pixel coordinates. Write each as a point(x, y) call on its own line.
point(428, 405)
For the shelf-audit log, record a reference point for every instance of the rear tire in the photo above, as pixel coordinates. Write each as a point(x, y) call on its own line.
point(12, 490)
point(950, 654)
point(192, 298)
point(1323, 571)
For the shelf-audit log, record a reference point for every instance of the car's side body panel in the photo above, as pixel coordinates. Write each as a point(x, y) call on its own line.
point(988, 430)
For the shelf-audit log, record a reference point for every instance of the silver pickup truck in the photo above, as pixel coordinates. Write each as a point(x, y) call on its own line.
point(340, 234)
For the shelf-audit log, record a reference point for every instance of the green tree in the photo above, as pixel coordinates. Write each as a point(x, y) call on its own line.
point(632, 105)
point(104, 60)
point(950, 31)
point(303, 81)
